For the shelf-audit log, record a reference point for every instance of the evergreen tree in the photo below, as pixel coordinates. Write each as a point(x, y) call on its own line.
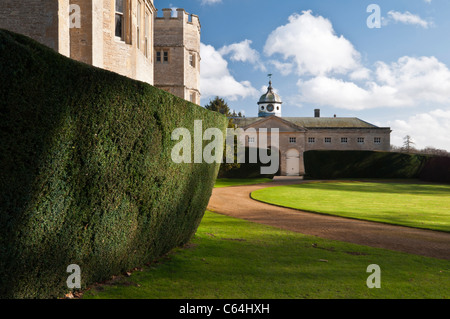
point(408, 144)
point(219, 105)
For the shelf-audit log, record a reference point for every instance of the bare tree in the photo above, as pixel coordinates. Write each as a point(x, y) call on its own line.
point(408, 148)
point(429, 150)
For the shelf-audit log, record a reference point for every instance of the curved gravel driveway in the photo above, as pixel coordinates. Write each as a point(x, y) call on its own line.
point(235, 201)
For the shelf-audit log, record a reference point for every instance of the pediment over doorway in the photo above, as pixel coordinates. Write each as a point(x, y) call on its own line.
point(275, 122)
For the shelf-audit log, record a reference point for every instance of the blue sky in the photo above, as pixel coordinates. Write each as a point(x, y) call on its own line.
point(322, 54)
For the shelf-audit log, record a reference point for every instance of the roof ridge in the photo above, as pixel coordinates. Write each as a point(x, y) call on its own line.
point(319, 122)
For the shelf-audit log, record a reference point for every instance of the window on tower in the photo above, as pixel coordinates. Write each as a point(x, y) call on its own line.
point(162, 56)
point(192, 59)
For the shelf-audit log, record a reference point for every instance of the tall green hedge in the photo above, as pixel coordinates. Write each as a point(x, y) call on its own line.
point(86, 175)
point(362, 164)
point(436, 169)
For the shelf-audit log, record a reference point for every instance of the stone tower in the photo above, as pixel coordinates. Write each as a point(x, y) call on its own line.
point(177, 54)
point(269, 103)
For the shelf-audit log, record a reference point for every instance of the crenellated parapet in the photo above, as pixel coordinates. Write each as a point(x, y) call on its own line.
point(181, 16)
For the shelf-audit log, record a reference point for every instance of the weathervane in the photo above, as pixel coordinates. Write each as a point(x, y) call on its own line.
point(270, 82)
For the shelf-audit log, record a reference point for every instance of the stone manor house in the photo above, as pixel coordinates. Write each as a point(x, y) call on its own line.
point(300, 134)
point(123, 36)
point(127, 37)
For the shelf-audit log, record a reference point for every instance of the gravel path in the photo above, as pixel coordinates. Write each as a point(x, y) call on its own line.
point(235, 201)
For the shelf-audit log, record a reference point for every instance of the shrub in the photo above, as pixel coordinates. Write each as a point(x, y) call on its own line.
point(362, 164)
point(86, 175)
point(436, 169)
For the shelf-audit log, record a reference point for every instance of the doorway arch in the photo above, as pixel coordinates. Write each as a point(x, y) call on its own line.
point(292, 162)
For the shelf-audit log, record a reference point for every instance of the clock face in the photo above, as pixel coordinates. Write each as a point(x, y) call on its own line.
point(270, 108)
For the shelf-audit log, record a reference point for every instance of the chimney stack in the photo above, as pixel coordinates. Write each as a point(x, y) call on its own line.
point(317, 113)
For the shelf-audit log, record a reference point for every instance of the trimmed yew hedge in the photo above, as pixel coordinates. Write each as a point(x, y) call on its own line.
point(362, 164)
point(436, 169)
point(86, 175)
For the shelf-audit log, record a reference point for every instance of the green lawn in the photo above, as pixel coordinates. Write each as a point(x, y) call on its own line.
point(230, 258)
point(409, 204)
point(225, 182)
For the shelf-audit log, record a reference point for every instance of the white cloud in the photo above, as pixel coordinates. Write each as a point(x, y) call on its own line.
point(283, 68)
point(206, 2)
point(338, 93)
point(423, 79)
point(311, 44)
point(406, 18)
point(360, 74)
point(409, 82)
point(216, 80)
point(242, 52)
point(426, 129)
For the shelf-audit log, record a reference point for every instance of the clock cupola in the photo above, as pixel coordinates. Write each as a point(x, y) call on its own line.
point(270, 103)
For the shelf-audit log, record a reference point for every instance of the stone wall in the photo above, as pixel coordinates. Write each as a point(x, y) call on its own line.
point(192, 46)
point(81, 46)
point(43, 20)
point(352, 136)
point(63, 28)
point(124, 57)
point(286, 146)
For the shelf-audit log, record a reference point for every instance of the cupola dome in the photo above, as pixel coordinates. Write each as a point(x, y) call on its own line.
point(269, 103)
